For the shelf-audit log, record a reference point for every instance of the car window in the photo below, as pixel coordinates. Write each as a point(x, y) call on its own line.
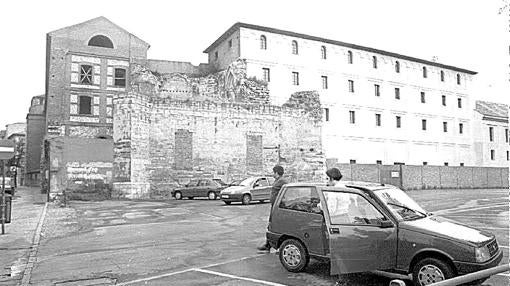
point(204, 183)
point(304, 199)
point(262, 182)
point(351, 208)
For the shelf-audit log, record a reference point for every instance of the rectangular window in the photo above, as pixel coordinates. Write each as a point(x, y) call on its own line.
point(461, 128)
point(352, 161)
point(425, 163)
point(351, 86)
point(459, 102)
point(443, 100)
point(446, 163)
point(295, 78)
point(462, 164)
point(445, 126)
point(324, 82)
point(398, 121)
point(216, 55)
point(377, 90)
point(230, 43)
point(378, 162)
point(397, 93)
point(301, 199)
point(506, 135)
point(352, 117)
point(508, 155)
point(326, 114)
point(377, 119)
point(424, 124)
point(120, 77)
point(493, 155)
point(86, 74)
point(422, 95)
point(491, 133)
point(266, 74)
point(85, 105)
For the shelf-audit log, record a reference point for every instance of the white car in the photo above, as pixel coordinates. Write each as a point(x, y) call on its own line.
point(247, 190)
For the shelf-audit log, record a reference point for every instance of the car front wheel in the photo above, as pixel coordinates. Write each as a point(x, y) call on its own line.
point(293, 255)
point(430, 270)
point(211, 195)
point(246, 199)
point(178, 196)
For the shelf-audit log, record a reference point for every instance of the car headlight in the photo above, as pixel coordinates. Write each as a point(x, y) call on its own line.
point(482, 254)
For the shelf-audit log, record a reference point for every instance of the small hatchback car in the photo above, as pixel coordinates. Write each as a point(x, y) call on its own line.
point(362, 227)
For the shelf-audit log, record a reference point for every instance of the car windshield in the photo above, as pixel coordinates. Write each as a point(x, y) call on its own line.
point(400, 204)
point(247, 182)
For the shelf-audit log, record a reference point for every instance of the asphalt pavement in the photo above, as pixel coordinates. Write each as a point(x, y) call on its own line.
point(192, 242)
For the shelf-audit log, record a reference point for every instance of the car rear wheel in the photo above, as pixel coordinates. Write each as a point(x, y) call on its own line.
point(211, 195)
point(430, 270)
point(246, 199)
point(293, 255)
point(190, 198)
point(178, 196)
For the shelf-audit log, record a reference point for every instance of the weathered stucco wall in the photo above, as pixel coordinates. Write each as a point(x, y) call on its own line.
point(172, 141)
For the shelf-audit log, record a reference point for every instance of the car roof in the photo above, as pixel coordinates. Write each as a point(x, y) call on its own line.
point(349, 184)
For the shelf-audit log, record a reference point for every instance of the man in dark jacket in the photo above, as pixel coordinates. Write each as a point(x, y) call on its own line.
point(277, 186)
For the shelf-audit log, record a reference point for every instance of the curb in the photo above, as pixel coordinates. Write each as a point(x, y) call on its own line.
point(32, 257)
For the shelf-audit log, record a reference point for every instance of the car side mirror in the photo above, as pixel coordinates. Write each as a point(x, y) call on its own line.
point(385, 224)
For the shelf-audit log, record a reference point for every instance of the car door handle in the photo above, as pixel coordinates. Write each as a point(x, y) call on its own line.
point(333, 230)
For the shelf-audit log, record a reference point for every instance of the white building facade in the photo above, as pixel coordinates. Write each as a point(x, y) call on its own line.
point(491, 136)
point(379, 107)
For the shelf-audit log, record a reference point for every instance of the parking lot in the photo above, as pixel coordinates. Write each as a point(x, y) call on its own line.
point(205, 242)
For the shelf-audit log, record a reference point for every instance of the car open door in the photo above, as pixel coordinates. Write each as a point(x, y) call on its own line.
point(261, 189)
point(361, 237)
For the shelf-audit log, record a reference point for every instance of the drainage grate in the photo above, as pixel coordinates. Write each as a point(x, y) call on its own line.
point(103, 281)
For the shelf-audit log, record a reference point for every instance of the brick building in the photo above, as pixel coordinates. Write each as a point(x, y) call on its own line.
point(34, 141)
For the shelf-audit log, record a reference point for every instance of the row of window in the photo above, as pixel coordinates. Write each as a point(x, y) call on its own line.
point(379, 162)
point(86, 76)
point(398, 121)
point(491, 134)
point(350, 58)
point(493, 155)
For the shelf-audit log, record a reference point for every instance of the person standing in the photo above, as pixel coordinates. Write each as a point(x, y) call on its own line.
point(334, 177)
point(275, 189)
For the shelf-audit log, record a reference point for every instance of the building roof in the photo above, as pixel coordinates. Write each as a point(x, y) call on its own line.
point(97, 19)
point(239, 25)
point(492, 109)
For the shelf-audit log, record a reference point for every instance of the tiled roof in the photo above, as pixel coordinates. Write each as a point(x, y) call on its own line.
point(238, 25)
point(492, 109)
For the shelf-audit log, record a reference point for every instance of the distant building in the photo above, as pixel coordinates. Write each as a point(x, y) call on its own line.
point(34, 141)
point(379, 107)
point(16, 132)
point(490, 134)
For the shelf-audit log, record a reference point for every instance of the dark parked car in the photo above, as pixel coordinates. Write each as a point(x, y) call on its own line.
point(363, 227)
point(209, 188)
point(250, 189)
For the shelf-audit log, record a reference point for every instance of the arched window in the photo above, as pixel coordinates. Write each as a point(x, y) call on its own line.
point(397, 67)
point(442, 75)
point(458, 78)
point(323, 52)
point(295, 50)
point(263, 42)
point(101, 41)
point(424, 72)
point(374, 62)
point(349, 57)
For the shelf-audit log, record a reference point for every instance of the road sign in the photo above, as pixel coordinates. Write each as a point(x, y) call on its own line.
point(6, 149)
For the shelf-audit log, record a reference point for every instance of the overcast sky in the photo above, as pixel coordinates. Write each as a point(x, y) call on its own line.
point(466, 34)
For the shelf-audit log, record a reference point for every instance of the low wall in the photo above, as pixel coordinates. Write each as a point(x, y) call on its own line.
point(411, 177)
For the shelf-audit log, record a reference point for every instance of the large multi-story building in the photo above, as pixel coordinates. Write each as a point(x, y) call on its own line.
point(34, 140)
point(490, 136)
point(380, 107)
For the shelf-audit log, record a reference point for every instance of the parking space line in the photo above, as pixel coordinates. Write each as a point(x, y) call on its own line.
point(187, 270)
point(239, 277)
point(454, 210)
point(503, 246)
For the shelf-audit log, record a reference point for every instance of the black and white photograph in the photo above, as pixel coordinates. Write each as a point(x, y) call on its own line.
point(257, 143)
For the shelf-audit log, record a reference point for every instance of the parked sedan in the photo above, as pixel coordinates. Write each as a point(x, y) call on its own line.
point(209, 188)
point(250, 189)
